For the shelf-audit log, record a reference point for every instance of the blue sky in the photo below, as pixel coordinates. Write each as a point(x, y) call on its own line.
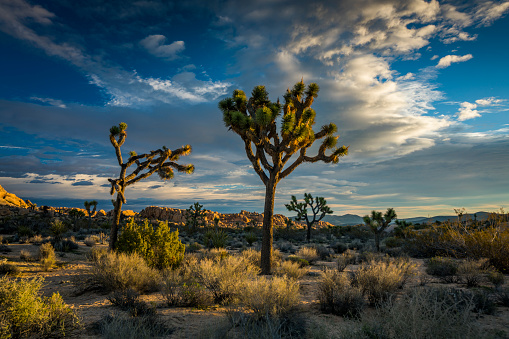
point(418, 90)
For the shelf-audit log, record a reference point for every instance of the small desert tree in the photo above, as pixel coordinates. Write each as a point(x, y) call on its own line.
point(318, 209)
point(161, 161)
point(195, 216)
point(378, 223)
point(76, 215)
point(254, 120)
point(88, 205)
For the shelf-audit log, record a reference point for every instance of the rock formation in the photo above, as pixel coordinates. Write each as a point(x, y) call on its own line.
point(10, 199)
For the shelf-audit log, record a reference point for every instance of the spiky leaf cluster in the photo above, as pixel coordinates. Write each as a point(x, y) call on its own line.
point(255, 120)
point(318, 208)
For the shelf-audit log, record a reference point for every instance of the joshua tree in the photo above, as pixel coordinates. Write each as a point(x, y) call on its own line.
point(76, 214)
point(161, 161)
point(318, 208)
point(195, 216)
point(254, 120)
point(89, 204)
point(402, 229)
point(378, 223)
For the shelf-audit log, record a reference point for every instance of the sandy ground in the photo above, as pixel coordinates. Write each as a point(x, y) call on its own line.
point(187, 322)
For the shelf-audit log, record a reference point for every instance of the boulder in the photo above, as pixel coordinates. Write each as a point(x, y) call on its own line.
point(10, 199)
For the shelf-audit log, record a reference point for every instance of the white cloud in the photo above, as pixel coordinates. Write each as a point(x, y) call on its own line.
point(447, 60)
point(154, 44)
point(490, 11)
point(52, 102)
point(467, 111)
point(488, 101)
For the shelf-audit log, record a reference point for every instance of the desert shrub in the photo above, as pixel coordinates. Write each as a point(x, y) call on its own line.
point(337, 296)
point(57, 229)
point(484, 302)
point(270, 297)
point(379, 280)
point(215, 239)
point(7, 268)
point(46, 256)
point(443, 268)
point(36, 239)
point(116, 326)
point(310, 254)
point(300, 261)
point(129, 300)
point(369, 256)
point(25, 256)
point(254, 256)
point(96, 253)
point(194, 247)
point(471, 272)
point(496, 278)
point(346, 258)
point(425, 316)
point(161, 248)
point(392, 242)
point(25, 313)
point(290, 269)
point(502, 297)
point(225, 277)
point(91, 240)
point(250, 238)
point(339, 247)
point(112, 271)
point(66, 245)
point(181, 289)
point(323, 252)
point(216, 253)
point(456, 241)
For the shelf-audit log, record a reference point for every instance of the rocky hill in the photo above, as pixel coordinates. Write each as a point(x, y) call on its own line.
point(10, 199)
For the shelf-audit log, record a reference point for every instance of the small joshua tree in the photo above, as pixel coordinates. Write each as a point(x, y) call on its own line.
point(254, 120)
point(195, 216)
point(76, 214)
point(88, 205)
point(378, 223)
point(318, 209)
point(161, 161)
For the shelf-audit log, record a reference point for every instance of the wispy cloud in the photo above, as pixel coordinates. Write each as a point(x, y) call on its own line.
point(154, 44)
point(447, 60)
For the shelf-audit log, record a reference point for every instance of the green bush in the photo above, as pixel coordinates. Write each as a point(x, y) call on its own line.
point(443, 268)
point(215, 239)
point(120, 271)
point(24, 313)
point(337, 296)
point(160, 248)
point(57, 229)
point(300, 261)
point(46, 256)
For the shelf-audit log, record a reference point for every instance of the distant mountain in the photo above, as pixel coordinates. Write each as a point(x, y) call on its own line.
point(343, 220)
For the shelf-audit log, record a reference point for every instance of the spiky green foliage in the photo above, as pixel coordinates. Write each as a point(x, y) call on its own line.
point(378, 223)
point(161, 161)
point(161, 248)
point(317, 208)
point(88, 205)
point(195, 216)
point(254, 120)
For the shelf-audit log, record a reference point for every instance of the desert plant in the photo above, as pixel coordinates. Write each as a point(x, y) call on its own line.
point(290, 269)
point(76, 215)
point(161, 161)
point(225, 277)
point(7, 268)
point(443, 268)
point(181, 289)
point(378, 223)
point(496, 278)
point(378, 280)
point(57, 229)
point(114, 326)
point(471, 272)
point(161, 248)
point(251, 238)
point(318, 209)
point(310, 254)
point(25, 256)
point(24, 313)
point(88, 205)
point(302, 262)
point(66, 245)
point(112, 271)
point(91, 240)
point(254, 120)
point(215, 239)
point(337, 296)
point(46, 256)
point(129, 300)
point(195, 216)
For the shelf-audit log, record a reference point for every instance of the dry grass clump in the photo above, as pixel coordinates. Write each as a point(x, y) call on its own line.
point(336, 295)
point(123, 326)
point(24, 313)
point(378, 280)
point(180, 288)
point(291, 270)
point(91, 240)
point(7, 268)
point(472, 272)
point(254, 256)
point(129, 300)
point(225, 277)
point(113, 271)
point(308, 253)
point(46, 256)
point(348, 257)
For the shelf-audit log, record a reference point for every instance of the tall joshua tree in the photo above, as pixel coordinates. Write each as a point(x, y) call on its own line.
point(378, 223)
point(318, 209)
point(254, 120)
point(161, 161)
point(89, 204)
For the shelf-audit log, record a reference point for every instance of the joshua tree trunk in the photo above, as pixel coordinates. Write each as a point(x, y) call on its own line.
point(117, 212)
point(377, 241)
point(308, 236)
point(268, 223)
